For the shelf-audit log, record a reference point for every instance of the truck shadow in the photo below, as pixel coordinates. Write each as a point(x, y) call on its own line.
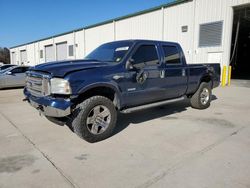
point(12, 88)
point(124, 120)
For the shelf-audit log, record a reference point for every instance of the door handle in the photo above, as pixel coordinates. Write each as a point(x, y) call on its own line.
point(162, 74)
point(183, 72)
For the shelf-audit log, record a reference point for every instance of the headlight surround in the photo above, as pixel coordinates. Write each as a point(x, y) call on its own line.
point(60, 86)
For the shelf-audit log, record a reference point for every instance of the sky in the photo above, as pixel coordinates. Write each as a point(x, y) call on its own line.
point(24, 21)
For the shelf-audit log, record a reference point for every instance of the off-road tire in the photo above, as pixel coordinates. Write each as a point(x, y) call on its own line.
point(196, 98)
point(80, 114)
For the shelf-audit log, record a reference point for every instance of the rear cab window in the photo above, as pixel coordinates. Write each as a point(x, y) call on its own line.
point(172, 55)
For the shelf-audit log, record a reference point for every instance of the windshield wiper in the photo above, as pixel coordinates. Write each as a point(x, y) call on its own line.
point(111, 61)
point(92, 59)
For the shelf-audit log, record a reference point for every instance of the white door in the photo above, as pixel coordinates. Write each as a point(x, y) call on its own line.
point(23, 54)
point(13, 55)
point(61, 51)
point(49, 53)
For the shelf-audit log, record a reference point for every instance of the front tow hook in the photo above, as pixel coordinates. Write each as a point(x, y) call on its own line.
point(40, 110)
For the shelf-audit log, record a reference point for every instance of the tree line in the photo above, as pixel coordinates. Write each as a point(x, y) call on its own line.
point(5, 55)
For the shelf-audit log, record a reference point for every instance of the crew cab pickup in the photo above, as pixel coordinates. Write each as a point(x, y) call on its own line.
point(121, 76)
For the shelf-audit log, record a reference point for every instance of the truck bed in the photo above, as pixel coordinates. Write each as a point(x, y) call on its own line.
point(195, 74)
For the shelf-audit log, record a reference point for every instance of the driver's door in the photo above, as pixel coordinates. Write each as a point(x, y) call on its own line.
point(144, 83)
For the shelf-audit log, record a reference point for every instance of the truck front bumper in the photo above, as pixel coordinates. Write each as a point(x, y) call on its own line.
point(52, 107)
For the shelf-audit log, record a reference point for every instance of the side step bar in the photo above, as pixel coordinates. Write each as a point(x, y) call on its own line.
point(151, 105)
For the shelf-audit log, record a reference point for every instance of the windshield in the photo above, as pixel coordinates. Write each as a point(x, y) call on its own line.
point(110, 52)
point(6, 70)
point(5, 67)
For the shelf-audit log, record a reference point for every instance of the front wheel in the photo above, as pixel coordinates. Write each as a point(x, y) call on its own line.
point(94, 119)
point(202, 97)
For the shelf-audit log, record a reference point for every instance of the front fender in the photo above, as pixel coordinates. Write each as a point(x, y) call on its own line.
point(111, 85)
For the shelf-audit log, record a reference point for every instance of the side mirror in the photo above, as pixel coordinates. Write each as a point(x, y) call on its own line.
point(130, 63)
point(9, 73)
point(139, 66)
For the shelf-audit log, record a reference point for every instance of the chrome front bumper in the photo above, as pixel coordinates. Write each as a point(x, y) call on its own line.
point(52, 107)
point(50, 111)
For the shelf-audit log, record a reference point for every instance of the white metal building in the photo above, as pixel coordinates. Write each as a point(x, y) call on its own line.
point(208, 30)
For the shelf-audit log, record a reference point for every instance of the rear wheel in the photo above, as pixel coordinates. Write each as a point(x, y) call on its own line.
point(202, 97)
point(94, 119)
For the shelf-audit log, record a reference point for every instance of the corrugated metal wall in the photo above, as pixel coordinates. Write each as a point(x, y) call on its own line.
point(207, 12)
point(212, 11)
point(146, 26)
point(79, 44)
point(176, 17)
point(98, 35)
point(162, 24)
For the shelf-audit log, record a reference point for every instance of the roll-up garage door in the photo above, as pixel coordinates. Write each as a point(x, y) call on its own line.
point(61, 51)
point(49, 53)
point(23, 54)
point(13, 58)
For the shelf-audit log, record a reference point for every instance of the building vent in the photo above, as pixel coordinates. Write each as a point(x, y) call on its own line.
point(210, 34)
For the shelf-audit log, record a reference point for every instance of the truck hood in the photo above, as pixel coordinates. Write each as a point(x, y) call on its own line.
point(61, 68)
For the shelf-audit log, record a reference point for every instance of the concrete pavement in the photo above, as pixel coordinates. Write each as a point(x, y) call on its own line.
point(171, 146)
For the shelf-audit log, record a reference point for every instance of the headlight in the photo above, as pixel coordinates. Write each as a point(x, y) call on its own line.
point(59, 86)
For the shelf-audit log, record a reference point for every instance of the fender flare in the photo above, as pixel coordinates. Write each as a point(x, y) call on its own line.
point(206, 75)
point(113, 86)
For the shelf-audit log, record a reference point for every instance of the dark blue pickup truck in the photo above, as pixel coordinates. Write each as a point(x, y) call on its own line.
point(123, 76)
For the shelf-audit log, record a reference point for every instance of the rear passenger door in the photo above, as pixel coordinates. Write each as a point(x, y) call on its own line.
point(175, 76)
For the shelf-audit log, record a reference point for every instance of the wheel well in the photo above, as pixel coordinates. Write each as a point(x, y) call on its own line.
point(101, 91)
point(206, 79)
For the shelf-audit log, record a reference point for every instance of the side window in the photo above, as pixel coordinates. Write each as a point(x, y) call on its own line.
point(171, 55)
point(25, 69)
point(17, 70)
point(146, 54)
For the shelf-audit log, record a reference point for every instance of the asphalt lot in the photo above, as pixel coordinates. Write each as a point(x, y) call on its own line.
point(172, 146)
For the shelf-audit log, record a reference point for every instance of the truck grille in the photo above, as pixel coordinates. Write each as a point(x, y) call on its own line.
point(37, 84)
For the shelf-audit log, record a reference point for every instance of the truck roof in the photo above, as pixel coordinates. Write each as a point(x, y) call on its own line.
point(144, 40)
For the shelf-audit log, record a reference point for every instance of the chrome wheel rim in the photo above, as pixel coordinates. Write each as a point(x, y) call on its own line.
point(98, 119)
point(204, 96)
